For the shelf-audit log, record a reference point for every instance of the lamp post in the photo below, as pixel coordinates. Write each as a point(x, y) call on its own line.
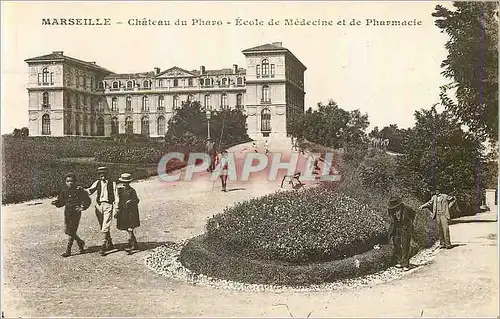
point(208, 115)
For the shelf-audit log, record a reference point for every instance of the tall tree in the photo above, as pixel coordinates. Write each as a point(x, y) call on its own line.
point(472, 64)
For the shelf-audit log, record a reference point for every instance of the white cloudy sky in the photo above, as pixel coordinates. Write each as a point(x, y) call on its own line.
point(387, 72)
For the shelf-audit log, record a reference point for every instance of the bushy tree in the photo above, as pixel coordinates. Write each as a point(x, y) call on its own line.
point(438, 152)
point(332, 126)
point(472, 64)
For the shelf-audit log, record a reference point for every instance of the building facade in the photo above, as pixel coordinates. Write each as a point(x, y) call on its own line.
point(69, 97)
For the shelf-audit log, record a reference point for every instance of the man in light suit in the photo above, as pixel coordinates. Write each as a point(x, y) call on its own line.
point(440, 205)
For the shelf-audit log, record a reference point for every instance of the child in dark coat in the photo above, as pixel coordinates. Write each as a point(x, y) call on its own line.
point(75, 200)
point(127, 213)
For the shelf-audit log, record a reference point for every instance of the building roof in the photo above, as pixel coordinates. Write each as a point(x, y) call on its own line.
point(59, 56)
point(131, 75)
point(269, 47)
point(152, 74)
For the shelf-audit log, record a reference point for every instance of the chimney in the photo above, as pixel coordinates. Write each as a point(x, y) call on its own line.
point(202, 69)
point(277, 43)
point(93, 62)
point(157, 70)
point(235, 68)
point(57, 52)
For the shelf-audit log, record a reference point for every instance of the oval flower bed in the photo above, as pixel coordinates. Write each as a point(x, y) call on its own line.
point(291, 238)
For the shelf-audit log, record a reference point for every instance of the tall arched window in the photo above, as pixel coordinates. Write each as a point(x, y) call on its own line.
point(114, 126)
point(78, 126)
point(265, 67)
point(161, 103)
point(239, 100)
point(265, 94)
point(223, 101)
point(45, 75)
point(45, 99)
point(45, 124)
point(145, 126)
point(129, 125)
point(145, 103)
point(265, 120)
point(114, 104)
point(160, 124)
point(176, 102)
point(100, 126)
point(207, 102)
point(128, 104)
point(85, 125)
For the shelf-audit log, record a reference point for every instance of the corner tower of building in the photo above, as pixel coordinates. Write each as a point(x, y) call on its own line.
point(274, 90)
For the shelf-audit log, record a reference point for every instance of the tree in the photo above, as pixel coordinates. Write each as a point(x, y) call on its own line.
point(472, 64)
point(395, 136)
point(16, 132)
point(438, 152)
point(332, 126)
point(25, 132)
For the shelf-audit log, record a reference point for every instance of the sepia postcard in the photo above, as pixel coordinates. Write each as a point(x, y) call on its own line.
point(249, 159)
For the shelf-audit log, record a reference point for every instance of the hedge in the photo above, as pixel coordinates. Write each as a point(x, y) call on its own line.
point(217, 263)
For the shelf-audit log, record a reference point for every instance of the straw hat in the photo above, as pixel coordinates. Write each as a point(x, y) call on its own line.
point(102, 169)
point(125, 178)
point(394, 202)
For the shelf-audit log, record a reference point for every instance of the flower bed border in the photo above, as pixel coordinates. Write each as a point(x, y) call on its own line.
point(197, 258)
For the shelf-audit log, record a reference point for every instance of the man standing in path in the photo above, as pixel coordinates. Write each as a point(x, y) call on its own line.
point(106, 196)
point(440, 205)
point(400, 231)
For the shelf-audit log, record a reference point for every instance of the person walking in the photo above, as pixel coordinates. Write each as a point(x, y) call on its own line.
point(75, 200)
point(223, 163)
point(127, 210)
point(212, 153)
point(106, 195)
point(440, 205)
point(400, 231)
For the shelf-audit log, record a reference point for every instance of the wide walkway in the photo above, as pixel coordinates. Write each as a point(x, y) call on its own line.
point(37, 281)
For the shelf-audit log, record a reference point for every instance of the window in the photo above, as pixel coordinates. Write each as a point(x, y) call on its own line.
point(101, 85)
point(92, 126)
point(207, 102)
point(145, 103)
point(100, 126)
point(265, 94)
point(265, 67)
point(45, 124)
point(145, 126)
point(190, 82)
point(78, 105)
point(223, 100)
point(206, 82)
point(45, 99)
point(160, 123)
point(265, 120)
point(84, 81)
point(67, 124)
point(114, 104)
point(161, 103)
point(85, 125)
point(45, 76)
point(257, 70)
point(176, 102)
point(130, 85)
point(114, 126)
point(145, 84)
point(224, 82)
point(239, 100)
point(77, 125)
point(190, 98)
point(176, 82)
point(272, 69)
point(100, 106)
point(129, 125)
point(160, 83)
point(116, 85)
point(128, 104)
point(239, 81)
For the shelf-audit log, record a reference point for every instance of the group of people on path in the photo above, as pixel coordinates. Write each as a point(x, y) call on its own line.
point(401, 227)
point(113, 200)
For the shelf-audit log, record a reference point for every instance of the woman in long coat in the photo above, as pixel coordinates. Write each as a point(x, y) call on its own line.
point(127, 215)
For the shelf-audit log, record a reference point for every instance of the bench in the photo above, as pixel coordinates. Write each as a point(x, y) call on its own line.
point(292, 178)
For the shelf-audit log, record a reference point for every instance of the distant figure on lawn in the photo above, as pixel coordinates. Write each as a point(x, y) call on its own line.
point(254, 147)
point(266, 146)
point(223, 163)
point(212, 152)
point(400, 231)
point(440, 205)
point(75, 200)
point(106, 195)
point(127, 210)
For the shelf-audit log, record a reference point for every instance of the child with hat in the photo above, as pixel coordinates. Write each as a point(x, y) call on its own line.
point(127, 212)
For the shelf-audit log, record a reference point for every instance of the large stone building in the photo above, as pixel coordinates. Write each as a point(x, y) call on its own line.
point(68, 96)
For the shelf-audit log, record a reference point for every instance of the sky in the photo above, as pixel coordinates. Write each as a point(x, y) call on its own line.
point(387, 72)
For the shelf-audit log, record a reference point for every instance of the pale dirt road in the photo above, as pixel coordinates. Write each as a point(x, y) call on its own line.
point(38, 282)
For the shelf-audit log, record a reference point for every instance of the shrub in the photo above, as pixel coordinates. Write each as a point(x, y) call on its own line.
point(377, 170)
point(299, 227)
point(220, 264)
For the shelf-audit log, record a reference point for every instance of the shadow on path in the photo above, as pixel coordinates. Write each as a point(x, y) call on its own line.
point(467, 221)
point(143, 246)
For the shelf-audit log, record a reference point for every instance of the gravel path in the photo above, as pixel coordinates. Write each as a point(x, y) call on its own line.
point(38, 282)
